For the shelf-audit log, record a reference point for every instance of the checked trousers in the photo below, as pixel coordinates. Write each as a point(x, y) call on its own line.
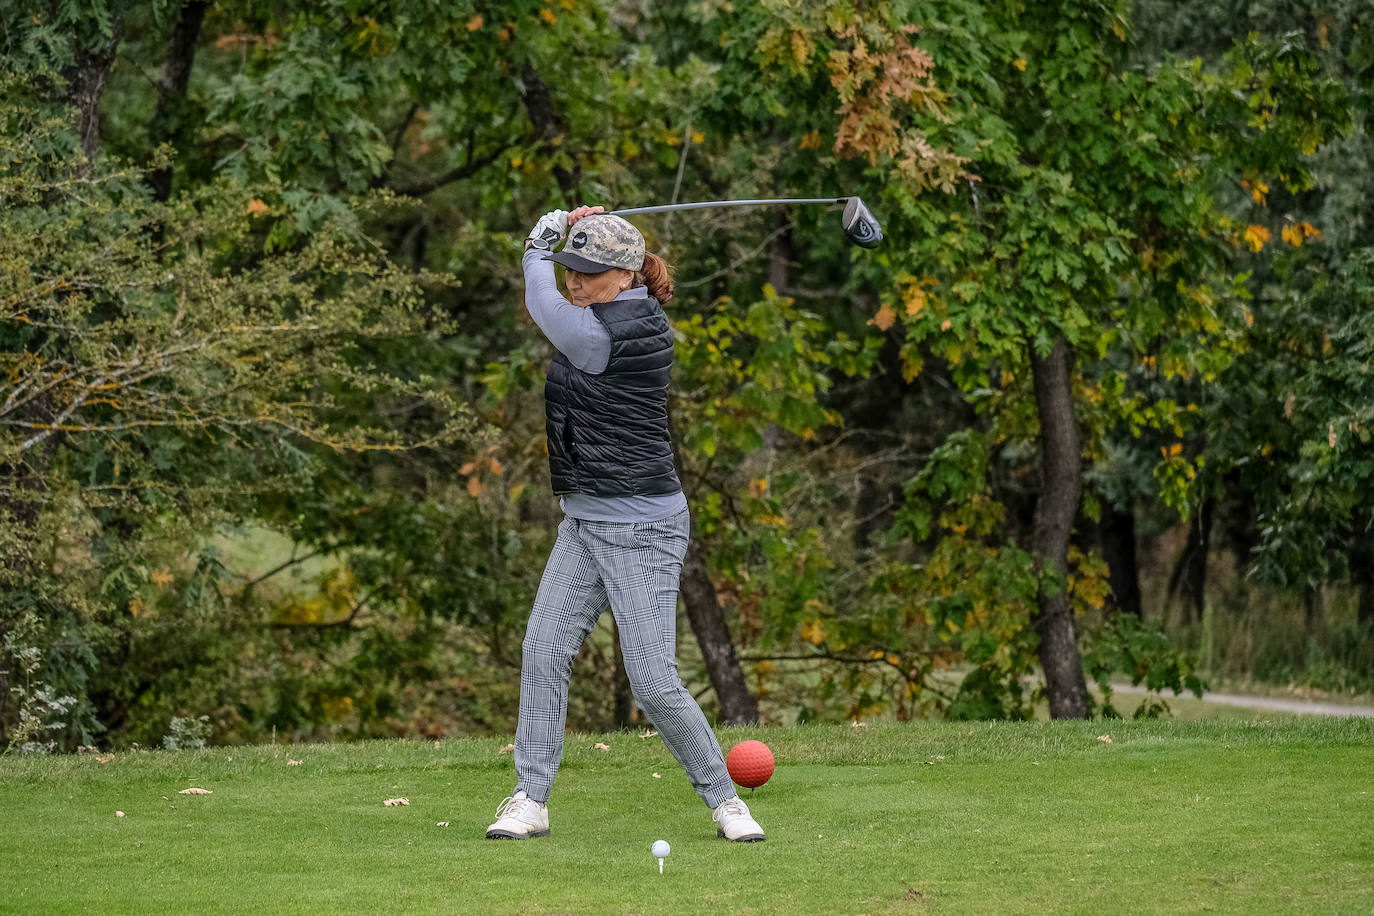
point(632, 567)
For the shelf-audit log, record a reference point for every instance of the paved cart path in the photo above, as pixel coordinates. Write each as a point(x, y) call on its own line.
point(1277, 704)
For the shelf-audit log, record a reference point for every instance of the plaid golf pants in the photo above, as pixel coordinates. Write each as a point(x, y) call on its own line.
point(634, 568)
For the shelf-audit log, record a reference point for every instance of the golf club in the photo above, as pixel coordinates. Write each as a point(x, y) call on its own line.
point(859, 224)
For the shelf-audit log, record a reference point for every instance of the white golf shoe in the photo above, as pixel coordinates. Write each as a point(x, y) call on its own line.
point(519, 818)
point(734, 823)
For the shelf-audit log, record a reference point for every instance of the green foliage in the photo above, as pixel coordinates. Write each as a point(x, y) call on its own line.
point(1139, 650)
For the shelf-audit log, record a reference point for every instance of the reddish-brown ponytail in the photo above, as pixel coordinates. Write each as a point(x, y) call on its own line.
point(656, 275)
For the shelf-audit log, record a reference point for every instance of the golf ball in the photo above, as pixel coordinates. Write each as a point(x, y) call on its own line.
point(661, 848)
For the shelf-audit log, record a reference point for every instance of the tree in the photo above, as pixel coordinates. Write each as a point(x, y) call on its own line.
point(1093, 234)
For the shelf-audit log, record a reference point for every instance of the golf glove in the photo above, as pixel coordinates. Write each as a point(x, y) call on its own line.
point(550, 230)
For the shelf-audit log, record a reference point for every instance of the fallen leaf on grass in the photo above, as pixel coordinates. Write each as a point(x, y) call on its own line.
point(649, 733)
point(601, 747)
point(195, 791)
point(293, 763)
point(441, 824)
point(119, 814)
point(508, 747)
point(657, 776)
point(436, 745)
point(857, 724)
point(104, 758)
point(1105, 739)
point(393, 802)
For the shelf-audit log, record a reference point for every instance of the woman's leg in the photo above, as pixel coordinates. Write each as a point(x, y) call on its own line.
point(570, 601)
point(640, 564)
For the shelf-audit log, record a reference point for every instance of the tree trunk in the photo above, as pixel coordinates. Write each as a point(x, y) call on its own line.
point(171, 87)
point(1362, 567)
point(1118, 549)
point(1314, 608)
point(1061, 485)
point(737, 704)
point(1189, 578)
point(547, 125)
point(86, 83)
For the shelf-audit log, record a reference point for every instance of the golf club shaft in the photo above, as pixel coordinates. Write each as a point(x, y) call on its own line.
point(664, 208)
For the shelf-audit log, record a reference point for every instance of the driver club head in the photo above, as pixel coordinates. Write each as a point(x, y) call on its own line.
point(860, 226)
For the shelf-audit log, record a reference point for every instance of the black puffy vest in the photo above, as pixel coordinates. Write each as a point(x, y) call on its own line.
point(608, 433)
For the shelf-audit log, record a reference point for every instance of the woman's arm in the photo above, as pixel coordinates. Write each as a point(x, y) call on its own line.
point(576, 332)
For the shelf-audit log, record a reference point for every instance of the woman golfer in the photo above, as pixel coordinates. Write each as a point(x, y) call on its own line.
point(625, 525)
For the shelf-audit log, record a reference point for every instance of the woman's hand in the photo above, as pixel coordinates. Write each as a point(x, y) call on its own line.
point(549, 231)
point(582, 211)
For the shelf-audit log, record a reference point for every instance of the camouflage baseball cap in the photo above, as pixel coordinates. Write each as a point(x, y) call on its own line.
point(599, 242)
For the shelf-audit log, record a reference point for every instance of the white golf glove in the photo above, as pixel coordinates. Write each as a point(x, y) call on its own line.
point(550, 230)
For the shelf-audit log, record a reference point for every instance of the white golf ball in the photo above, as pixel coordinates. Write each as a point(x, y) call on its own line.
point(661, 848)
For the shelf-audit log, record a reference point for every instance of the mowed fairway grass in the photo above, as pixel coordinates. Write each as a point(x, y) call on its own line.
point(1272, 816)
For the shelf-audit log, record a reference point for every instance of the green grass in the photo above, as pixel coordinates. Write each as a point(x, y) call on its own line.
point(1268, 816)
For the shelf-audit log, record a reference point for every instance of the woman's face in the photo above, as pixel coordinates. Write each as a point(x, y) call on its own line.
point(584, 289)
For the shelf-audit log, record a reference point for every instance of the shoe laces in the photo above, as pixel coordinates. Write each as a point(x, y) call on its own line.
point(734, 808)
point(511, 806)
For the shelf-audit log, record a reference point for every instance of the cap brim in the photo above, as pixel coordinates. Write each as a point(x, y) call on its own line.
point(576, 262)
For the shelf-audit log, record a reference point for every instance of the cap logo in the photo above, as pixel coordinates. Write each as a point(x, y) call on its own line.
point(579, 240)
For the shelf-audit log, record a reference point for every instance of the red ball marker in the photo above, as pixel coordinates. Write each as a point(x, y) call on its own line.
point(750, 764)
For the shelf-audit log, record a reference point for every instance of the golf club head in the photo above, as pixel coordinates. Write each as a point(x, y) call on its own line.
point(860, 226)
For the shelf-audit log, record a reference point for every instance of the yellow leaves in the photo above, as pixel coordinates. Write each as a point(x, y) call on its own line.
point(885, 318)
point(765, 667)
point(1256, 236)
point(801, 48)
point(257, 208)
point(161, 578)
point(758, 487)
point(946, 325)
point(1258, 190)
point(1248, 315)
point(811, 140)
point(771, 519)
point(137, 608)
point(475, 23)
point(504, 34)
point(1020, 64)
point(474, 487)
point(548, 16)
point(698, 137)
point(1296, 234)
point(1118, 31)
point(336, 708)
point(813, 632)
point(1173, 450)
point(916, 300)
point(1331, 434)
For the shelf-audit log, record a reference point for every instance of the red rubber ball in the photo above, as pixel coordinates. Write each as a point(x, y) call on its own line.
point(750, 763)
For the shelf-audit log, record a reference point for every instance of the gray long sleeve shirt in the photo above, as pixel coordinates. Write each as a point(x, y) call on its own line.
point(583, 339)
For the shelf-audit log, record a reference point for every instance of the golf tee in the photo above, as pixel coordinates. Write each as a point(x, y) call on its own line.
point(660, 865)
